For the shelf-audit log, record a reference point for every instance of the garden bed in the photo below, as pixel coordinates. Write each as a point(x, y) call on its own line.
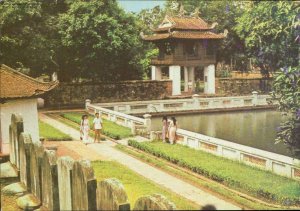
point(251, 180)
point(136, 185)
point(52, 134)
point(110, 128)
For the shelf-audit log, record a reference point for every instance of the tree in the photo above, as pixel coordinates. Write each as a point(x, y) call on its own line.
point(271, 33)
point(29, 38)
point(148, 19)
point(287, 91)
point(268, 28)
point(101, 40)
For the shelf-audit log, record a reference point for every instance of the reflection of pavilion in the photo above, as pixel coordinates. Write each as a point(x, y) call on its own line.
point(185, 43)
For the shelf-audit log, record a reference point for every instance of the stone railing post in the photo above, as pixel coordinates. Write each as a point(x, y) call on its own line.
point(152, 135)
point(195, 98)
point(87, 103)
point(147, 118)
point(133, 129)
point(128, 109)
point(254, 98)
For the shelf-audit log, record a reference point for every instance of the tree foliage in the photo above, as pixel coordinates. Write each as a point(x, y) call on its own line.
point(79, 39)
point(271, 34)
point(28, 34)
point(269, 31)
point(103, 40)
point(287, 91)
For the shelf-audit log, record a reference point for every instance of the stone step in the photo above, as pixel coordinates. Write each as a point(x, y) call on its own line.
point(28, 202)
point(17, 188)
point(7, 170)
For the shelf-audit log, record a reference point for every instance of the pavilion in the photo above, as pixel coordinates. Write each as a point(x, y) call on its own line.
point(185, 43)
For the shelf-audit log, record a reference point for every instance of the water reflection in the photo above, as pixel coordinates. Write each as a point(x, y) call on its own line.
point(253, 128)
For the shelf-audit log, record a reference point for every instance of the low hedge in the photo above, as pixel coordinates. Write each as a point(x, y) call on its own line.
point(111, 129)
point(239, 176)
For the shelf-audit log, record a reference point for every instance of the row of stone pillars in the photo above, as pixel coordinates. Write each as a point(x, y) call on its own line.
point(189, 78)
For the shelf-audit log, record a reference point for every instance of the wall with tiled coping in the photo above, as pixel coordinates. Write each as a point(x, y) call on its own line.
point(276, 163)
point(194, 103)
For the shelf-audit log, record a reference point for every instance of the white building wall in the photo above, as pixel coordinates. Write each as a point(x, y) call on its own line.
point(25, 107)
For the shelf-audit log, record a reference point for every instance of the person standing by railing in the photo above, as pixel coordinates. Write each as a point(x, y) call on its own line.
point(164, 128)
point(172, 130)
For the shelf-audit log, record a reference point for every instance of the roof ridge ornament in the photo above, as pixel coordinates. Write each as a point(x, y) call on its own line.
point(213, 25)
point(142, 35)
point(196, 13)
point(225, 33)
point(181, 10)
point(174, 5)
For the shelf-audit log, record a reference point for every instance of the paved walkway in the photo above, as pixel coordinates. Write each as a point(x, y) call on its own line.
point(107, 151)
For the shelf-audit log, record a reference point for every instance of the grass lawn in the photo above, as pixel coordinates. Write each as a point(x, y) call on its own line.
point(136, 185)
point(236, 175)
point(110, 128)
point(52, 134)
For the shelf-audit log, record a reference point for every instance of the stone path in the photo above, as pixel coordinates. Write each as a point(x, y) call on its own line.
point(107, 151)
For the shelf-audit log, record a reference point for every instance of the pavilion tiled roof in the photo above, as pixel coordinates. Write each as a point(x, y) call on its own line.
point(183, 28)
point(184, 23)
point(184, 35)
point(14, 84)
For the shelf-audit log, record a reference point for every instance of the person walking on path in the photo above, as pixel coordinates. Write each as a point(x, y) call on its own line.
point(97, 125)
point(164, 128)
point(84, 129)
point(172, 130)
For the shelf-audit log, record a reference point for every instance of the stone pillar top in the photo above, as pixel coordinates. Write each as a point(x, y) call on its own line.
point(255, 92)
point(195, 96)
point(147, 116)
point(87, 103)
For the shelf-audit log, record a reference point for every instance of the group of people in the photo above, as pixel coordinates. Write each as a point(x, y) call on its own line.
point(169, 129)
point(85, 128)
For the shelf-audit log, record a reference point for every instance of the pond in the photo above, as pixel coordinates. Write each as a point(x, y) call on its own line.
point(251, 128)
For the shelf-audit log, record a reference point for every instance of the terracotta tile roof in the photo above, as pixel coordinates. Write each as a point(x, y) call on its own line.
point(184, 23)
point(14, 84)
point(184, 35)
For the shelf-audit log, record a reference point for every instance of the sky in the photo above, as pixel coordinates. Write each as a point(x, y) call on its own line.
point(138, 5)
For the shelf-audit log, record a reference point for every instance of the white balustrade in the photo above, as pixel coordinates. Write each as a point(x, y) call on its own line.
point(194, 103)
point(278, 164)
